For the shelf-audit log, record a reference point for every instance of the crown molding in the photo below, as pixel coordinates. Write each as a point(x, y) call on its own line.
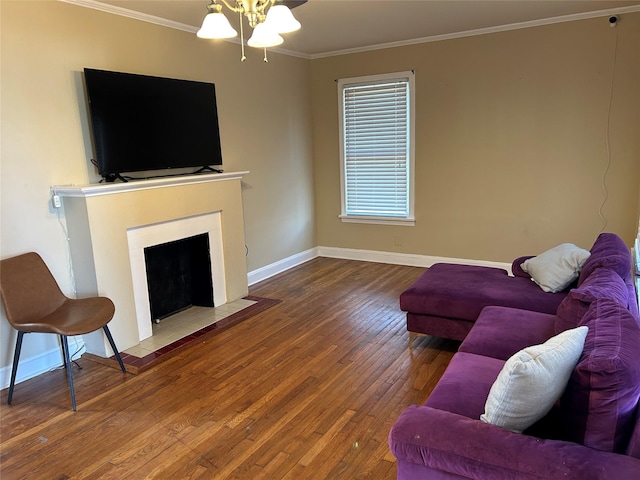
point(124, 12)
point(144, 17)
point(483, 31)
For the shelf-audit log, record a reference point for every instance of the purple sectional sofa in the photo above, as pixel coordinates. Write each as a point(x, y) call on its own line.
point(591, 432)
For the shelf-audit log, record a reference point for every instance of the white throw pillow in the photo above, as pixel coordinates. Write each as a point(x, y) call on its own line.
point(532, 380)
point(555, 269)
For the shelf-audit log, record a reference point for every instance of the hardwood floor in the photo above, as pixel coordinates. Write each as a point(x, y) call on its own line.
point(307, 389)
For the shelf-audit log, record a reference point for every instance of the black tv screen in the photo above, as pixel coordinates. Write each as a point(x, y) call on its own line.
point(143, 123)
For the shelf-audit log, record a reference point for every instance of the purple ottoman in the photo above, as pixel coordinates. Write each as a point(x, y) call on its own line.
point(447, 299)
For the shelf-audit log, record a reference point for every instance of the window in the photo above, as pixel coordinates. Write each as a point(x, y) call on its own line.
point(376, 149)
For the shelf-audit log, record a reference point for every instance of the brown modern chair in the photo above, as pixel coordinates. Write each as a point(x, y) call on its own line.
point(33, 302)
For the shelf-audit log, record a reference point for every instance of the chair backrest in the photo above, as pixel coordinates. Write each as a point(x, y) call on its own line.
point(28, 290)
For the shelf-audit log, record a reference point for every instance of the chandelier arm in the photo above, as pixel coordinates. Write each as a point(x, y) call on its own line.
point(254, 10)
point(242, 7)
point(263, 5)
point(231, 7)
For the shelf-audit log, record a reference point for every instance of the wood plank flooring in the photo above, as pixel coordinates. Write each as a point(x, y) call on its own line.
point(307, 389)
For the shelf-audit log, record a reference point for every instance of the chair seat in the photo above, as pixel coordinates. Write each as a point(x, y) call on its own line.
point(73, 317)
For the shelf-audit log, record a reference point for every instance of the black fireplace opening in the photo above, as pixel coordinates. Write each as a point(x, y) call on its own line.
point(179, 276)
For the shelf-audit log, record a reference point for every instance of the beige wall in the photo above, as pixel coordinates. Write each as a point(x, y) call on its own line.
point(510, 154)
point(510, 141)
point(264, 113)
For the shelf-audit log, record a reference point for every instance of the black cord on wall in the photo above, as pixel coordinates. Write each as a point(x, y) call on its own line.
point(612, 22)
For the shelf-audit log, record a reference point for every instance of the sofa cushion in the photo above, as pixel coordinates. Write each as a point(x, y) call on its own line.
point(532, 380)
point(555, 269)
point(608, 251)
point(598, 408)
point(602, 283)
point(465, 384)
point(500, 332)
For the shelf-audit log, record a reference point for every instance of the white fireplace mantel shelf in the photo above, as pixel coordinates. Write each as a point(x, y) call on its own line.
point(96, 189)
point(101, 218)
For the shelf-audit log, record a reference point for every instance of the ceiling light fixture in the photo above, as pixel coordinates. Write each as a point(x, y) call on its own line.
point(267, 19)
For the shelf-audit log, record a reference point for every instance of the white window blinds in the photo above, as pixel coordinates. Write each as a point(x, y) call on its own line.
point(376, 148)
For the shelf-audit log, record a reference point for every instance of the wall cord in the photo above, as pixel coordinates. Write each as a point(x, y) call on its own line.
point(80, 346)
point(605, 192)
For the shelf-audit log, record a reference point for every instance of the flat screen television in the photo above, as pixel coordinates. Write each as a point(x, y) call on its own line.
point(144, 123)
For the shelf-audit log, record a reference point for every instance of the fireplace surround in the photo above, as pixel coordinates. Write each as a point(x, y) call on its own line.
point(142, 237)
point(109, 225)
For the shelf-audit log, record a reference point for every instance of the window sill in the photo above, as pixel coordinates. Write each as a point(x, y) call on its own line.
point(403, 222)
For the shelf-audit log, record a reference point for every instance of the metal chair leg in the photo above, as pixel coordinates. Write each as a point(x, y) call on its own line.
point(113, 347)
point(14, 369)
point(67, 362)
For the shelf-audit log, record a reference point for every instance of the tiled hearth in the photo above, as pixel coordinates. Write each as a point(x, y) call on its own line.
point(187, 327)
point(185, 323)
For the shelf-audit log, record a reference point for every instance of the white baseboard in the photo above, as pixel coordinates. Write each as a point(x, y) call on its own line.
point(32, 366)
point(29, 367)
point(393, 258)
point(280, 266)
point(409, 259)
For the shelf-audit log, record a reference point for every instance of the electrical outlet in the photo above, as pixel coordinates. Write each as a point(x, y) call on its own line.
point(56, 201)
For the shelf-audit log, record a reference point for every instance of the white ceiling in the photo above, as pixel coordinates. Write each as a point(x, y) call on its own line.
point(333, 26)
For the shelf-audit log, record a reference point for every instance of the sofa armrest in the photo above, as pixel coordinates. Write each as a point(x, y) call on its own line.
point(516, 268)
point(444, 441)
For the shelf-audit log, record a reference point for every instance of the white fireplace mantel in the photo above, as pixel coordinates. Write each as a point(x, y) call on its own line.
point(96, 189)
point(100, 216)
